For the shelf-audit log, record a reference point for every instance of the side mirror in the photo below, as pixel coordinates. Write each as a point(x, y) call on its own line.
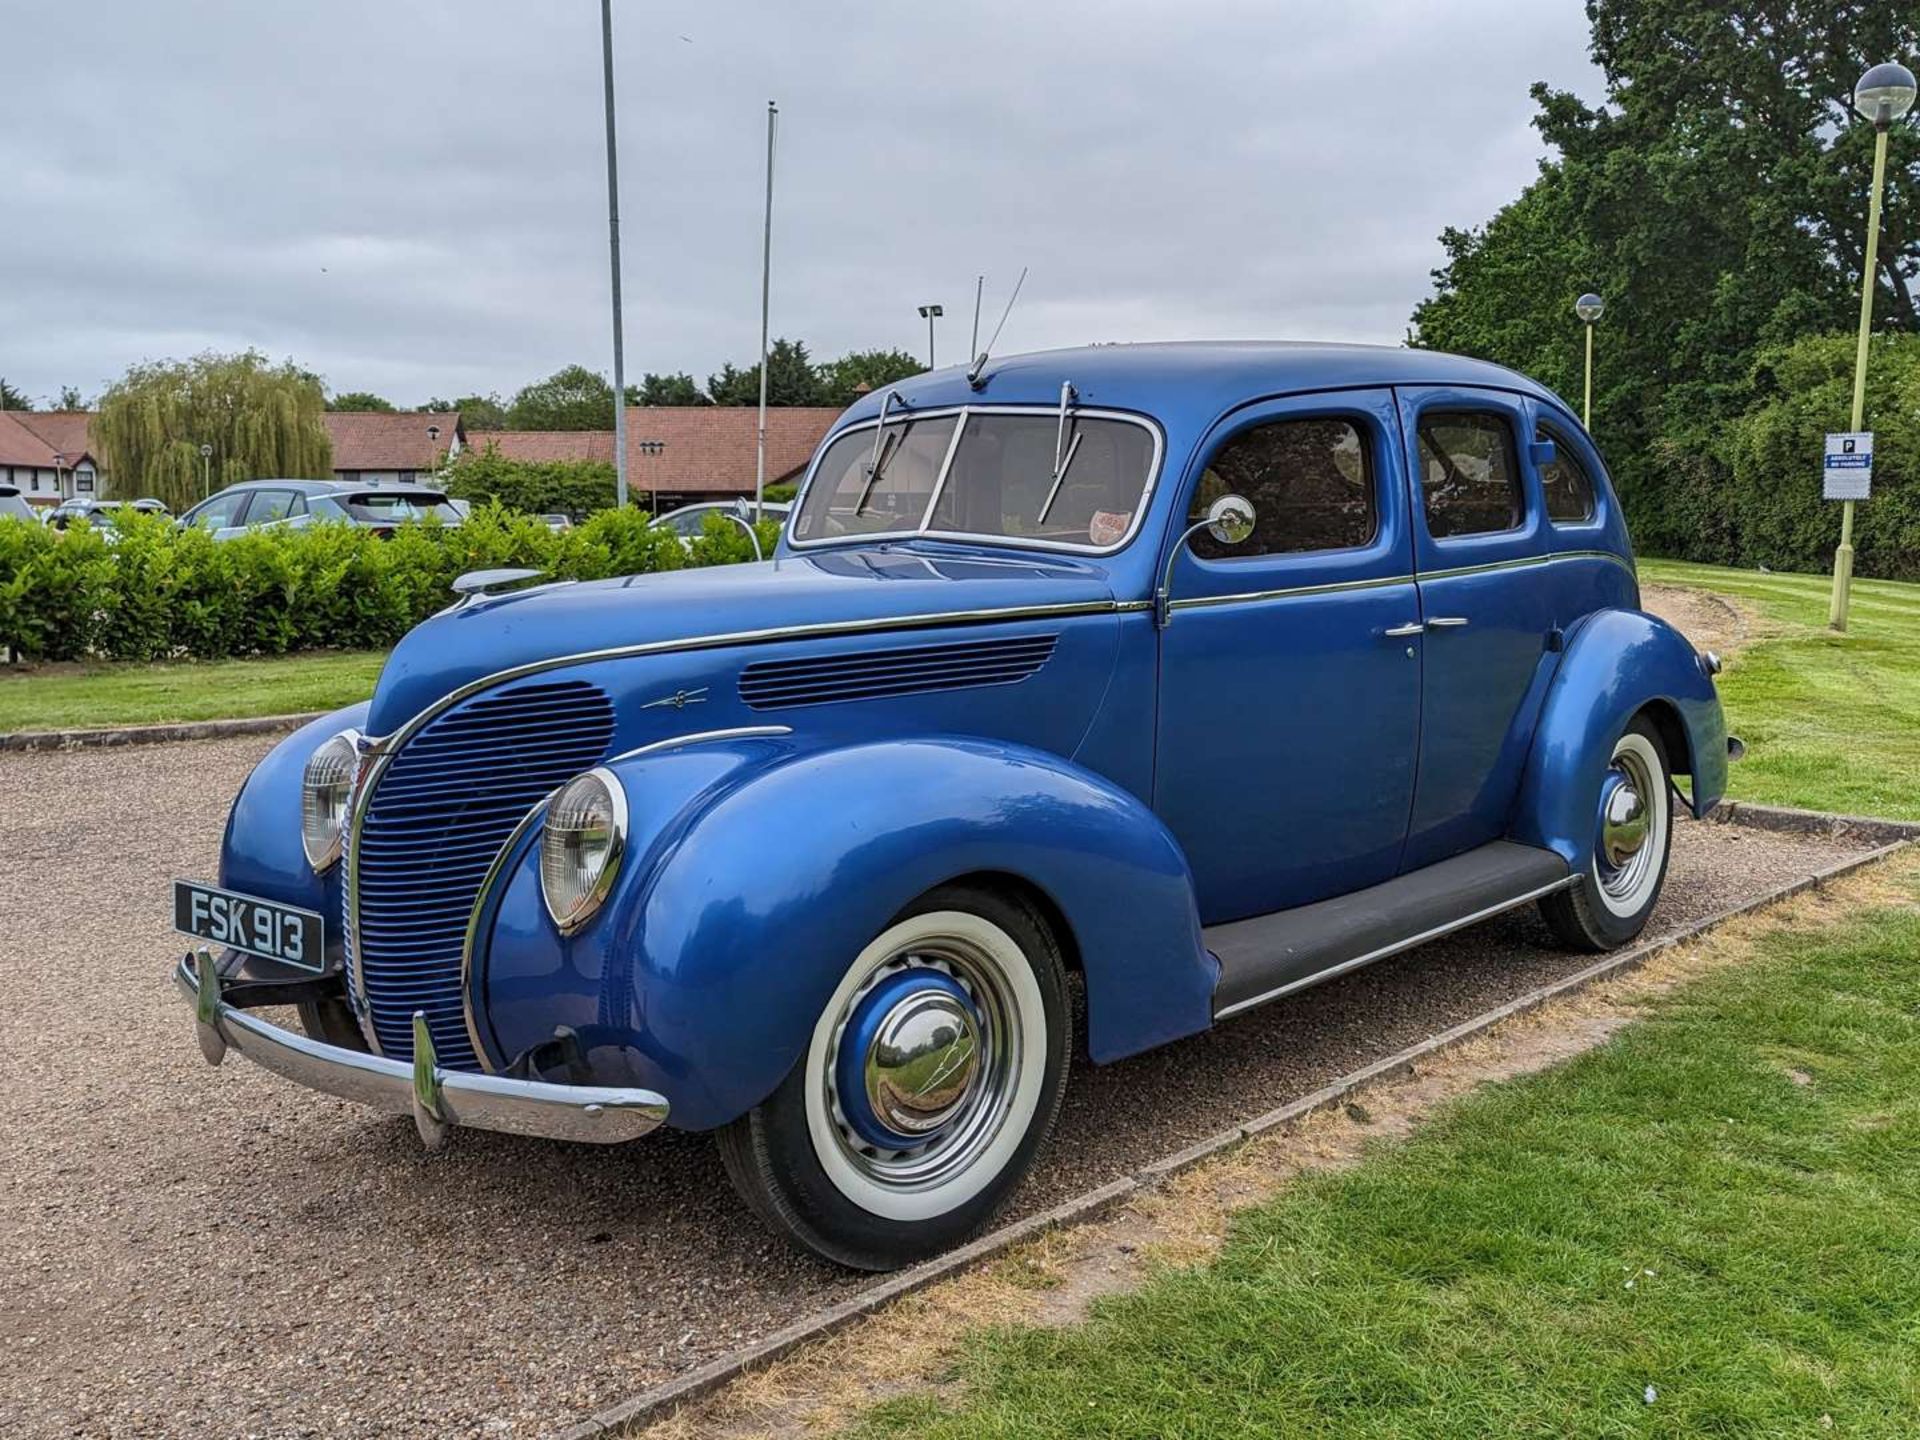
point(1228, 520)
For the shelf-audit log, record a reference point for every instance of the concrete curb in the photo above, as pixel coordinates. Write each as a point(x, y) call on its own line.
point(153, 734)
point(1867, 829)
point(662, 1399)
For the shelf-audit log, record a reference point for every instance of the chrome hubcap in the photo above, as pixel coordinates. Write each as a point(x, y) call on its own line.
point(924, 1055)
point(920, 1076)
point(1626, 825)
point(1623, 821)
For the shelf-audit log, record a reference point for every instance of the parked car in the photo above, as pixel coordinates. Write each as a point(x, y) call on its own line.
point(296, 504)
point(689, 520)
point(558, 523)
point(1207, 672)
point(96, 511)
point(14, 506)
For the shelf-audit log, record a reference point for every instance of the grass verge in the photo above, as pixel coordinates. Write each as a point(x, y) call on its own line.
point(67, 697)
point(1703, 1227)
point(1829, 720)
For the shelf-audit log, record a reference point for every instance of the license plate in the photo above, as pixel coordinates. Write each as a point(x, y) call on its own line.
point(250, 925)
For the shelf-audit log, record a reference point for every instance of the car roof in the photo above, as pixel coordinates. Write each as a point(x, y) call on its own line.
point(1213, 375)
point(335, 487)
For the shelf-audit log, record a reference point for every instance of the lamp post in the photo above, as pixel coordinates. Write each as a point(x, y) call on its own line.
point(613, 250)
point(433, 449)
point(1884, 94)
point(206, 470)
point(1588, 308)
point(59, 464)
point(930, 313)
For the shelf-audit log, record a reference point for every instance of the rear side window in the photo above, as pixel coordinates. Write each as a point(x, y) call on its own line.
point(1311, 483)
point(1568, 487)
point(382, 508)
point(269, 505)
point(1469, 480)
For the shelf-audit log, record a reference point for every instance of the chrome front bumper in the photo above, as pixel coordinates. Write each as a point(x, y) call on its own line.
point(438, 1099)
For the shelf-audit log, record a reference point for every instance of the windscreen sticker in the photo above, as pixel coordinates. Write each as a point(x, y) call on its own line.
point(1107, 526)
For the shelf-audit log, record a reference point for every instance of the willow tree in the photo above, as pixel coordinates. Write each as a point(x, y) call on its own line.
point(259, 419)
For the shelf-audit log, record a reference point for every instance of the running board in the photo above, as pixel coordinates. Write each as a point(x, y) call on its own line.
point(1268, 956)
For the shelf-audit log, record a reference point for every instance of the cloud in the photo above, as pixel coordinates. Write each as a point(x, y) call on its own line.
point(411, 199)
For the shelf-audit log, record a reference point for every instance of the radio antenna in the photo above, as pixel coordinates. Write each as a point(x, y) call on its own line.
point(980, 361)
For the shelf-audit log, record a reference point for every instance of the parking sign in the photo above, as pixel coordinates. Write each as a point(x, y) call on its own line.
point(1848, 472)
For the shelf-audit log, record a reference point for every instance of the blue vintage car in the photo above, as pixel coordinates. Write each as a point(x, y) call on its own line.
point(1190, 674)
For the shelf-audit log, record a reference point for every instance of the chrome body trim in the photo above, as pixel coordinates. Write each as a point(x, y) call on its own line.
point(1378, 582)
point(602, 1115)
point(469, 1001)
point(1333, 971)
point(674, 742)
point(1015, 542)
point(469, 996)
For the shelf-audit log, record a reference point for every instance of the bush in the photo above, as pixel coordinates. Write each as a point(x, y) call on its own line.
point(1745, 490)
point(571, 487)
point(147, 591)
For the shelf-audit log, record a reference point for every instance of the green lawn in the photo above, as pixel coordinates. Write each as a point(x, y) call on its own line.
point(1832, 722)
point(65, 697)
point(1676, 1210)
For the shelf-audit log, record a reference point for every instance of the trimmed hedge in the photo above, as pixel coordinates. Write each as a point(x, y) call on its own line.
point(150, 592)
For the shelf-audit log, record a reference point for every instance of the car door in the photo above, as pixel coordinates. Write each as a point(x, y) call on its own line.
point(1487, 602)
point(1289, 687)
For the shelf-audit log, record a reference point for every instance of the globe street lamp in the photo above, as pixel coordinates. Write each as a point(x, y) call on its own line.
point(206, 470)
point(1588, 308)
point(930, 313)
point(1885, 93)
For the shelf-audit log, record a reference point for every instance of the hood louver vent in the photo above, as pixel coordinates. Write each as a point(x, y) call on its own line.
point(872, 674)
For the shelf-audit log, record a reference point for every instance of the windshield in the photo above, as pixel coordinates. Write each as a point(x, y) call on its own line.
point(1016, 476)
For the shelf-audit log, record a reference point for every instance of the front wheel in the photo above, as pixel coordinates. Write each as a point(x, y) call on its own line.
point(931, 1080)
point(1633, 835)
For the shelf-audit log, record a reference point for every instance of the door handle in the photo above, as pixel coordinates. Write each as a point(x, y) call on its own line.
point(1447, 622)
point(1401, 631)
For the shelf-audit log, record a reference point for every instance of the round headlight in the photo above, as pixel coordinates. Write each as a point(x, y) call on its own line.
point(580, 847)
point(323, 799)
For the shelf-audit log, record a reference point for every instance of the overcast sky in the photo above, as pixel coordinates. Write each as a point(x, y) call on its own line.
point(409, 196)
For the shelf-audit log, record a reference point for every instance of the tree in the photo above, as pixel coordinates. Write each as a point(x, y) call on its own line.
point(70, 398)
point(260, 419)
point(571, 399)
point(676, 389)
point(791, 379)
point(477, 412)
point(1717, 200)
point(12, 399)
point(361, 400)
point(844, 380)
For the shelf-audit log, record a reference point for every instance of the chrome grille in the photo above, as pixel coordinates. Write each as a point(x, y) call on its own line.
point(438, 815)
point(910, 670)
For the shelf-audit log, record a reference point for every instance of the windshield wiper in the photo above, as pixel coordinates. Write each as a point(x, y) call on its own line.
point(1062, 458)
point(878, 462)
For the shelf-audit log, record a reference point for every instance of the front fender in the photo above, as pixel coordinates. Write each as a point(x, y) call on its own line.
point(1617, 663)
point(738, 912)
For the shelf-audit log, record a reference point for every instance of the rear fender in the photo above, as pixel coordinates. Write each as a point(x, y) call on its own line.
point(1617, 663)
point(777, 864)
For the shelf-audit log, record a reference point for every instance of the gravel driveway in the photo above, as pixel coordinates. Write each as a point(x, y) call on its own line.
point(188, 1251)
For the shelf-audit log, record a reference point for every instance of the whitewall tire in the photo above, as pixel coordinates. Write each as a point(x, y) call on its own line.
point(1632, 842)
point(931, 1078)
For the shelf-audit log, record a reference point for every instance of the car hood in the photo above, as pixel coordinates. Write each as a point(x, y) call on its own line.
point(867, 585)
